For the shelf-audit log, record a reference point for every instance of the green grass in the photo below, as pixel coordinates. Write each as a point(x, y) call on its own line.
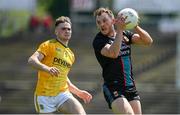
point(12, 22)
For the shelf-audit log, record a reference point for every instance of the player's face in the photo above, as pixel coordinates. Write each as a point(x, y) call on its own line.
point(63, 31)
point(104, 23)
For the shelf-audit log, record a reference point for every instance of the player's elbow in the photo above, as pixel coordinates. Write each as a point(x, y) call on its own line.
point(113, 55)
point(110, 53)
point(30, 61)
point(149, 42)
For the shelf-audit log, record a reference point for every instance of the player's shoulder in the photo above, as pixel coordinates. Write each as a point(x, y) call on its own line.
point(99, 37)
point(47, 43)
point(50, 41)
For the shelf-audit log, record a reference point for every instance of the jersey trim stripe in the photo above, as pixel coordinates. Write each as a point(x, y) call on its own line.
point(36, 104)
point(124, 81)
point(127, 70)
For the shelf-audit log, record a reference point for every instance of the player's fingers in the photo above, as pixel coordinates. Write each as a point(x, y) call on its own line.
point(88, 99)
point(85, 101)
point(54, 71)
point(128, 22)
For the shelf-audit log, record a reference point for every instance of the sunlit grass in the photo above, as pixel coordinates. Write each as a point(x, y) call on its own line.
point(13, 21)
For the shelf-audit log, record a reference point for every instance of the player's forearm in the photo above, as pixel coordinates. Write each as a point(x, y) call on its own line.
point(145, 37)
point(37, 64)
point(72, 88)
point(115, 47)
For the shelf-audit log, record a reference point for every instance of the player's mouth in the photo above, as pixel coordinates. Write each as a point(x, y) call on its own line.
point(104, 30)
point(67, 35)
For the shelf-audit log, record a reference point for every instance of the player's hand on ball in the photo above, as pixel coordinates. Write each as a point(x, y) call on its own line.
point(120, 22)
point(131, 17)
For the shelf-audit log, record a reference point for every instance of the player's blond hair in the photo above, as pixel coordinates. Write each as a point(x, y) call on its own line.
point(62, 19)
point(101, 10)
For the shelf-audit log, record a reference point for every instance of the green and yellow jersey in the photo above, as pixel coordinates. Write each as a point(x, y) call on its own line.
point(56, 55)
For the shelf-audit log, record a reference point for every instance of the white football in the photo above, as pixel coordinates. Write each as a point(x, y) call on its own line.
point(132, 17)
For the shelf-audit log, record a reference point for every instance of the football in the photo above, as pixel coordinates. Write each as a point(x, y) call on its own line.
point(131, 17)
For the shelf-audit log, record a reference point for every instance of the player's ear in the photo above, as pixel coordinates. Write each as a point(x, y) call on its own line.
point(113, 21)
point(55, 32)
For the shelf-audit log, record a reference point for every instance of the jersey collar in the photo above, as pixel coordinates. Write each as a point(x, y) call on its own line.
point(61, 43)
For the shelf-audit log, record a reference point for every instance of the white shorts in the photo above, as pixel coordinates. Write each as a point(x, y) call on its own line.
point(49, 104)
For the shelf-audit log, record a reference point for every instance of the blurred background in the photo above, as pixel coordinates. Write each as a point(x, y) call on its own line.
point(24, 24)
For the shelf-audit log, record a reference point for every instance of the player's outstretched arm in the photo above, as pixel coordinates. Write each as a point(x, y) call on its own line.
point(84, 95)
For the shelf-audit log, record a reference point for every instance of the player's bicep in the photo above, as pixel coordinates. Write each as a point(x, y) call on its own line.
point(136, 39)
point(38, 55)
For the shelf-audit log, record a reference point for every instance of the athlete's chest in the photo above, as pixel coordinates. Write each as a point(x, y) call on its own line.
point(63, 57)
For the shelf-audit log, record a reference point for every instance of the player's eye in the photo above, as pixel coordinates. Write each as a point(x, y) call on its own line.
point(66, 29)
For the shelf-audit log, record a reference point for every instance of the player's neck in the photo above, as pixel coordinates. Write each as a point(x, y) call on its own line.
point(112, 34)
point(64, 42)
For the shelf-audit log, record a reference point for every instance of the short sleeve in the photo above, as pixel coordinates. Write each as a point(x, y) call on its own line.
point(44, 48)
point(98, 44)
point(129, 35)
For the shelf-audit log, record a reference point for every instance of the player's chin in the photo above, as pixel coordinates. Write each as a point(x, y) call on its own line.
point(67, 38)
point(104, 32)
